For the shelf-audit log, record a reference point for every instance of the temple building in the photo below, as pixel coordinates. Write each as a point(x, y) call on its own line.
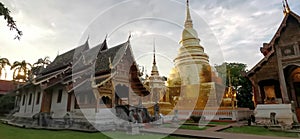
point(159, 95)
point(276, 78)
point(85, 84)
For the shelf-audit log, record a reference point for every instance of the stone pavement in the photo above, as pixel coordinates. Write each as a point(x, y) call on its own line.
point(207, 134)
point(218, 128)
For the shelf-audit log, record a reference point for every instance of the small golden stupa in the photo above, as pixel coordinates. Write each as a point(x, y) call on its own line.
point(155, 84)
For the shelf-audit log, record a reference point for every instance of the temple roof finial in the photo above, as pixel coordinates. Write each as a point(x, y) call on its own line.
point(286, 7)
point(87, 39)
point(110, 64)
point(188, 20)
point(154, 70)
point(154, 60)
point(129, 37)
point(104, 44)
point(106, 36)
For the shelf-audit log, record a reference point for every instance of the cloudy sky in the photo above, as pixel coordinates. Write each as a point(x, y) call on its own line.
point(230, 30)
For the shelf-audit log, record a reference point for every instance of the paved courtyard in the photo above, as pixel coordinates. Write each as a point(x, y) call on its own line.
point(209, 133)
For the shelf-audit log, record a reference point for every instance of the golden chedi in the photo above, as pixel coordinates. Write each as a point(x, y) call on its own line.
point(190, 81)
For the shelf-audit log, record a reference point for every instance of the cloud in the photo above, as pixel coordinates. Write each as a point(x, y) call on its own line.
point(231, 30)
point(242, 26)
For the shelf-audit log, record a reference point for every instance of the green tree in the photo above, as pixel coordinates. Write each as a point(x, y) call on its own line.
point(10, 21)
point(244, 95)
point(233, 74)
point(6, 103)
point(3, 63)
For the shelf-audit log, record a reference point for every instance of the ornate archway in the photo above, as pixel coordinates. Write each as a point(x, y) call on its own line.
point(292, 78)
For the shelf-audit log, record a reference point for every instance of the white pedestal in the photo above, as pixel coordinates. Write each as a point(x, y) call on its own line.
point(283, 113)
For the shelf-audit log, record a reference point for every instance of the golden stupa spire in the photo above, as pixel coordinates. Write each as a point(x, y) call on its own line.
point(154, 60)
point(154, 67)
point(286, 7)
point(188, 21)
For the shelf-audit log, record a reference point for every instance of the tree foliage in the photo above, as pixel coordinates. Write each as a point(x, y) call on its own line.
point(10, 21)
point(21, 70)
point(233, 74)
point(24, 71)
point(38, 66)
point(42, 62)
point(6, 103)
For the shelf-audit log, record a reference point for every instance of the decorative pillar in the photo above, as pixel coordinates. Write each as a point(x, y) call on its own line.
point(283, 88)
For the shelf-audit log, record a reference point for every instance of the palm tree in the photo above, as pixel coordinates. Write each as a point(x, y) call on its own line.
point(39, 65)
point(4, 62)
point(42, 62)
point(21, 70)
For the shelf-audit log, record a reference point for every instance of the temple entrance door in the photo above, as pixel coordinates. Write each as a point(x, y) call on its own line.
point(297, 94)
point(46, 103)
point(292, 74)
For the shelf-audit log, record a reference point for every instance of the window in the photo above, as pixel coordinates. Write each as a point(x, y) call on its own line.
point(59, 96)
point(23, 102)
point(38, 98)
point(30, 97)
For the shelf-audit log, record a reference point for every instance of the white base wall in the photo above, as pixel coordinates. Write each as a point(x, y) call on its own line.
point(283, 113)
point(215, 114)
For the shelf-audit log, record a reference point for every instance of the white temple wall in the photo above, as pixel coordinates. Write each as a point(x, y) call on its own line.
point(37, 106)
point(29, 109)
point(59, 109)
point(23, 107)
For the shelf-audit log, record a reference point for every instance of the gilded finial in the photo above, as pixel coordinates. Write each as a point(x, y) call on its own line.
point(154, 60)
point(110, 64)
point(188, 20)
point(129, 36)
point(286, 7)
point(154, 67)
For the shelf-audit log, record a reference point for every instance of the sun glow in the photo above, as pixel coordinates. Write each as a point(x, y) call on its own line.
point(7, 74)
